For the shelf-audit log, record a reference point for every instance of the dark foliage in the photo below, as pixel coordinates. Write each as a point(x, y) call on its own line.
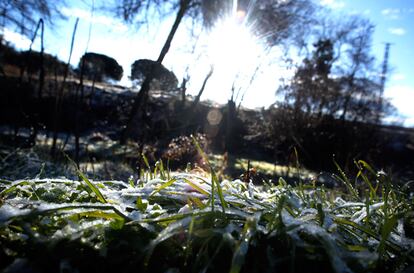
point(182, 149)
point(99, 67)
point(30, 61)
point(163, 79)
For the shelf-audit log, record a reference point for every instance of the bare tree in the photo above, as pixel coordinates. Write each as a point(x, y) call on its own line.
point(339, 78)
point(59, 95)
point(333, 101)
point(141, 99)
point(275, 20)
point(24, 15)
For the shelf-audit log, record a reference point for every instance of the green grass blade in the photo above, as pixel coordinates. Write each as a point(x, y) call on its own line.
point(321, 213)
point(160, 166)
point(13, 187)
point(146, 162)
point(98, 193)
point(82, 176)
point(344, 179)
point(395, 248)
point(197, 202)
point(196, 187)
point(368, 231)
point(386, 230)
point(171, 230)
point(163, 186)
point(240, 253)
point(37, 212)
point(142, 206)
point(277, 221)
point(131, 182)
point(365, 165)
point(214, 179)
point(96, 214)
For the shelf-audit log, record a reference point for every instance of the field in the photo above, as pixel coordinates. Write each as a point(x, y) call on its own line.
point(206, 136)
point(190, 221)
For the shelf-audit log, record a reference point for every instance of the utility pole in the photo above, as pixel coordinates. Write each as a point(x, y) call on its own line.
point(385, 67)
point(383, 80)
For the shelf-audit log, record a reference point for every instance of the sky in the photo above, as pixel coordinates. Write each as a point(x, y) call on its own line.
point(221, 48)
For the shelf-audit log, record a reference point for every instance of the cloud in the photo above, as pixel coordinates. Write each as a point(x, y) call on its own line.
point(393, 14)
point(396, 13)
point(18, 40)
point(334, 4)
point(365, 12)
point(390, 11)
point(95, 19)
point(398, 77)
point(400, 96)
point(397, 31)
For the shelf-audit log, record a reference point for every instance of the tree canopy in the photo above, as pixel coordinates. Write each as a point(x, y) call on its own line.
point(99, 67)
point(273, 20)
point(163, 79)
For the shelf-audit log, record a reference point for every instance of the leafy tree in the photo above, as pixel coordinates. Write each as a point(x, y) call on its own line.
point(99, 67)
point(163, 79)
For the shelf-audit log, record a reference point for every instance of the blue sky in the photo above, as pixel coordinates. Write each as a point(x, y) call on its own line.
point(394, 21)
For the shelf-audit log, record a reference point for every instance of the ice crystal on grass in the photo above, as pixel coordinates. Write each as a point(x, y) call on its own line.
point(179, 221)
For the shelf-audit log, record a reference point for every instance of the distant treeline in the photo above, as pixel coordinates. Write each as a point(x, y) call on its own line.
point(30, 61)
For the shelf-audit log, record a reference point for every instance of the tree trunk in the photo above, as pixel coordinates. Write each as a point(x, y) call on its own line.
point(59, 95)
point(188, 114)
point(230, 139)
point(183, 90)
point(78, 103)
point(197, 98)
point(142, 96)
point(42, 67)
point(347, 99)
point(35, 129)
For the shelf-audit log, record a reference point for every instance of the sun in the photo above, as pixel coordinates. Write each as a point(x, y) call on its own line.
point(233, 51)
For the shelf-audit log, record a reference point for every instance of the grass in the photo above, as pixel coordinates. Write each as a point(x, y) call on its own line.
point(191, 222)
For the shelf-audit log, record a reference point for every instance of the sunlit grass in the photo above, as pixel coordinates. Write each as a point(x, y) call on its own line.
point(275, 169)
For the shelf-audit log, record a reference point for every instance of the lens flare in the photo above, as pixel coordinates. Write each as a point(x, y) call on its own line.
point(233, 51)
